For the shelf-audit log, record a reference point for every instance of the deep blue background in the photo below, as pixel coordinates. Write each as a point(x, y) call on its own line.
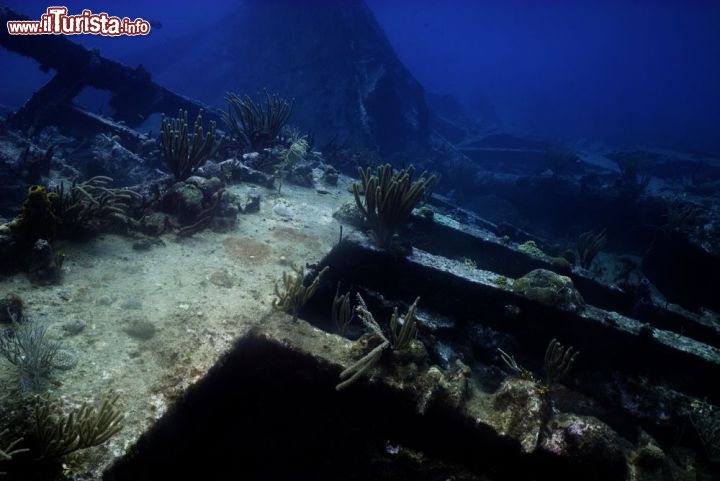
point(624, 72)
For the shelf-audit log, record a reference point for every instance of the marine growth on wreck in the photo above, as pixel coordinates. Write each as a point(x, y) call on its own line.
point(278, 245)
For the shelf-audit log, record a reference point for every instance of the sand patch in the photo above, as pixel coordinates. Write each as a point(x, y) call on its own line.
point(245, 250)
point(296, 236)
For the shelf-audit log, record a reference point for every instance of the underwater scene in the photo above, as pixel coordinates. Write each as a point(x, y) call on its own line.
point(360, 240)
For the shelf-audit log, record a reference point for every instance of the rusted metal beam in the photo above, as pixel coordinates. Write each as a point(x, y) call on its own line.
point(135, 95)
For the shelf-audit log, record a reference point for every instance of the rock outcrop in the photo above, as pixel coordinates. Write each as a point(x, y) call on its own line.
point(331, 57)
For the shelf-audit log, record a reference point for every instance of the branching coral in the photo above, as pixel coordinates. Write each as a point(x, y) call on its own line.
point(82, 428)
point(10, 450)
point(589, 244)
point(91, 206)
point(183, 153)
point(362, 365)
point(295, 294)
point(515, 367)
point(679, 215)
point(400, 339)
point(34, 355)
point(341, 311)
point(253, 125)
point(389, 198)
point(632, 183)
point(559, 360)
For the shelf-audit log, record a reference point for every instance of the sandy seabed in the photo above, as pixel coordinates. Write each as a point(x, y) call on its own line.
point(147, 324)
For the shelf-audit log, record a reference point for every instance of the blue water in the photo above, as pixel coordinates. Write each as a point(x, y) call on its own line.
point(621, 72)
